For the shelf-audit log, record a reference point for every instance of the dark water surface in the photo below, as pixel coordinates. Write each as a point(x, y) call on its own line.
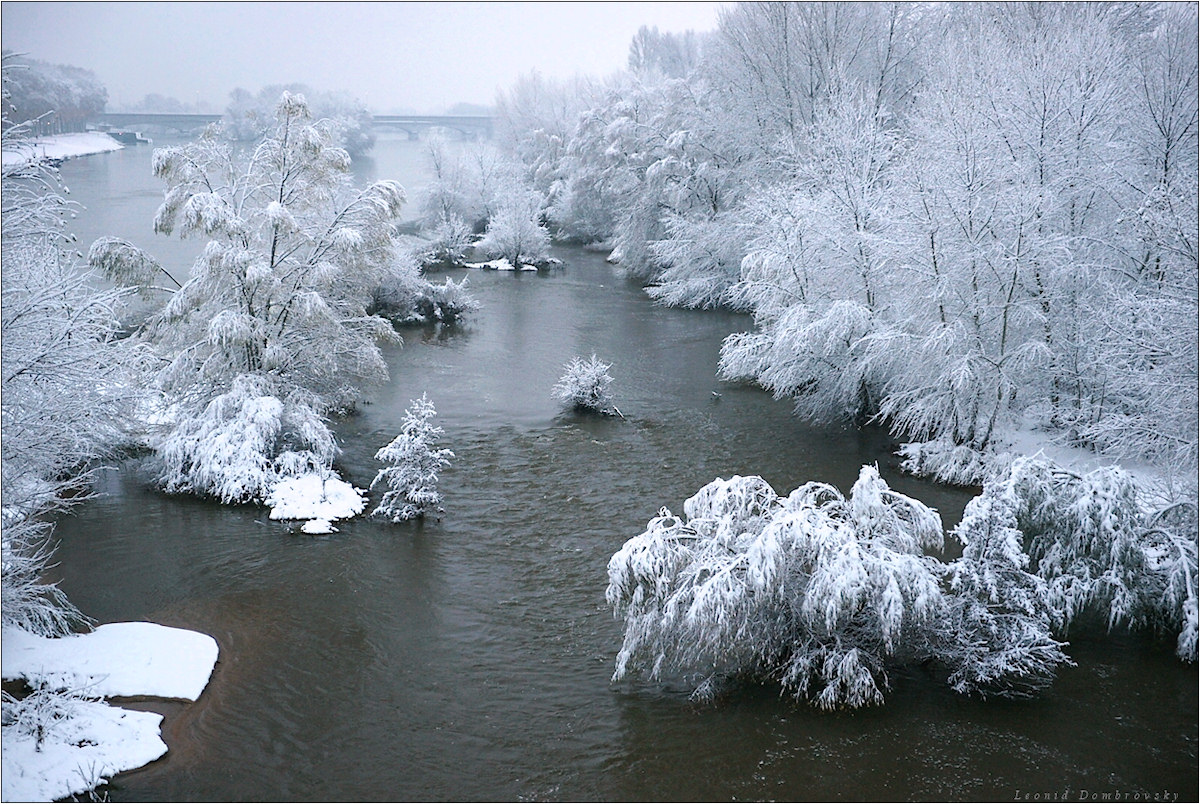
point(470, 658)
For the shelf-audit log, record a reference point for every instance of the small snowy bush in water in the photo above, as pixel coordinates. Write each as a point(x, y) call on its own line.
point(412, 478)
point(584, 385)
point(449, 239)
point(515, 232)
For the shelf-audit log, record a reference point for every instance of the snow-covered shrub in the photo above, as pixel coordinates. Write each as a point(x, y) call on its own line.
point(445, 303)
point(1099, 551)
point(448, 238)
point(999, 635)
point(815, 591)
point(39, 715)
point(405, 296)
point(515, 232)
point(584, 386)
point(412, 478)
point(244, 442)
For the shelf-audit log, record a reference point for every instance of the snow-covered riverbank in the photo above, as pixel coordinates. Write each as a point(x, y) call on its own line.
point(61, 146)
point(61, 739)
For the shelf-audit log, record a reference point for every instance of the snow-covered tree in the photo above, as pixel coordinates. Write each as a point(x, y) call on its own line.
point(1100, 551)
point(815, 358)
point(654, 54)
point(515, 232)
point(68, 382)
point(272, 325)
point(411, 479)
point(1000, 622)
point(818, 592)
point(584, 385)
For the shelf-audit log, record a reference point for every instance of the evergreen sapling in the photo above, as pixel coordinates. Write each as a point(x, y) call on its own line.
point(412, 478)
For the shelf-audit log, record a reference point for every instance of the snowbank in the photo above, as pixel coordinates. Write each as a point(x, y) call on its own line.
point(118, 659)
point(62, 146)
point(315, 498)
point(1028, 440)
point(318, 527)
point(500, 264)
point(79, 752)
point(963, 465)
point(56, 742)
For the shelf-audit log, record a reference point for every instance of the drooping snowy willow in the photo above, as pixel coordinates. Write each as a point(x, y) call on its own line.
point(823, 594)
point(816, 591)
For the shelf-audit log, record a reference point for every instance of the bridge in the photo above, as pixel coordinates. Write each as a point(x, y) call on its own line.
point(470, 127)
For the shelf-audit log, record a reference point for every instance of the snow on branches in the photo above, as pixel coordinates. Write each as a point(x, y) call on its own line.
point(1100, 552)
point(813, 590)
point(823, 594)
point(411, 480)
point(272, 329)
point(244, 442)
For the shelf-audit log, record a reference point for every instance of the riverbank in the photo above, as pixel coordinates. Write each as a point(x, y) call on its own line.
point(61, 146)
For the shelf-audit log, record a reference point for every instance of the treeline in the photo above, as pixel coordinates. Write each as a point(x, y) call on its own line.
point(956, 219)
point(50, 98)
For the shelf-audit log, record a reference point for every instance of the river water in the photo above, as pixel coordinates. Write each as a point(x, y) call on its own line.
point(470, 658)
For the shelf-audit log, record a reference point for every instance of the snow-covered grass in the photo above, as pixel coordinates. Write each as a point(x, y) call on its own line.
point(117, 659)
point(61, 146)
point(965, 466)
point(59, 746)
point(1029, 440)
point(60, 739)
point(315, 497)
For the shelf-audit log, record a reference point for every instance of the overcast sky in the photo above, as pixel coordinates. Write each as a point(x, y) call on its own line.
point(419, 56)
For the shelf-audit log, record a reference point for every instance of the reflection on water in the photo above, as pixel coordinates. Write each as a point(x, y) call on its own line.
point(470, 658)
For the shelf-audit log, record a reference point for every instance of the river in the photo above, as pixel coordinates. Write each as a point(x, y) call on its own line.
point(470, 658)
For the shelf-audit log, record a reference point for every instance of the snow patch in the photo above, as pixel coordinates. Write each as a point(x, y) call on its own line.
point(318, 527)
point(79, 752)
point(316, 497)
point(57, 742)
point(61, 146)
point(117, 659)
point(500, 264)
point(1027, 439)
